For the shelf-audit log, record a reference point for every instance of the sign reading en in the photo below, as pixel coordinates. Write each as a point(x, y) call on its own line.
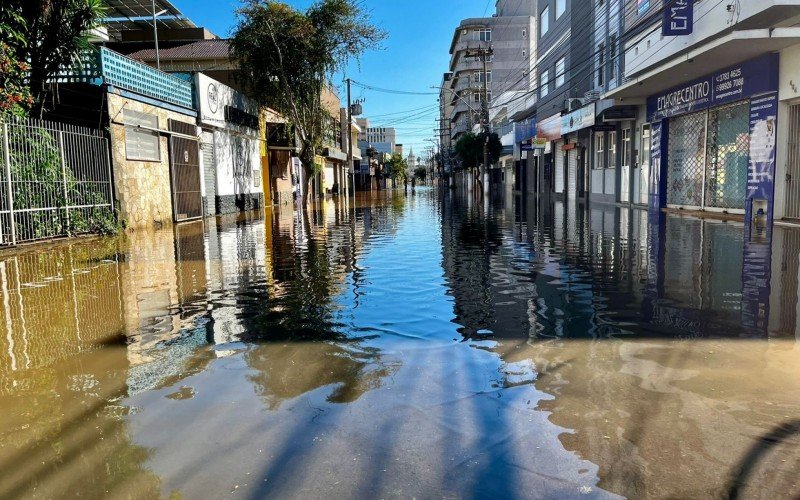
point(678, 18)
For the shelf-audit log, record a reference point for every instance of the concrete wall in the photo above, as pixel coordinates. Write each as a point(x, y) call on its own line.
point(142, 188)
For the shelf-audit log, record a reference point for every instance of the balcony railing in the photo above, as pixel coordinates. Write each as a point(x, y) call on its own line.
point(111, 68)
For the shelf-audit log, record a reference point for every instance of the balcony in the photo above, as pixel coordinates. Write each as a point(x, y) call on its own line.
point(106, 67)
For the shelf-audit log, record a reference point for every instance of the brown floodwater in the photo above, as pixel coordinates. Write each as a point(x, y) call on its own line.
point(405, 347)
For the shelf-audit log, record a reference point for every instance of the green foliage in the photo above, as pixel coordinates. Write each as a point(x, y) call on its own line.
point(397, 166)
point(286, 57)
point(420, 173)
point(41, 183)
point(15, 96)
point(469, 149)
point(49, 35)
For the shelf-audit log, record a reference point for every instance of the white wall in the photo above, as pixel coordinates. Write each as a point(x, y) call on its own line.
point(711, 18)
point(238, 160)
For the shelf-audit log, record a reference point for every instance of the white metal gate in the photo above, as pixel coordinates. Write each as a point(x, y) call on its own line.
point(558, 161)
point(793, 164)
point(572, 173)
point(210, 172)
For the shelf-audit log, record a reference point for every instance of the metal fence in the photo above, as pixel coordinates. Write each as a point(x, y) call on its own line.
point(55, 180)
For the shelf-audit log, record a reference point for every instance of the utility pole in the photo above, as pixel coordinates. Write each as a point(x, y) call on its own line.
point(484, 53)
point(350, 138)
point(155, 33)
point(485, 116)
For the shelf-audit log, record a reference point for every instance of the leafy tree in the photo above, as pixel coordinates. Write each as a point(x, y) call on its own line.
point(420, 173)
point(15, 97)
point(397, 165)
point(52, 35)
point(286, 57)
point(469, 149)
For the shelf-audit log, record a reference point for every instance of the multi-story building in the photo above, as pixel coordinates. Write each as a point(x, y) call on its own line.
point(488, 57)
point(563, 114)
point(716, 108)
point(513, 76)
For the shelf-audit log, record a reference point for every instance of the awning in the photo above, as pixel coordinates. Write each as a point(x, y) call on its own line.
point(334, 154)
point(725, 51)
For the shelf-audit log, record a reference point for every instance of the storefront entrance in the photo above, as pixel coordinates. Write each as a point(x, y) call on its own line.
point(708, 158)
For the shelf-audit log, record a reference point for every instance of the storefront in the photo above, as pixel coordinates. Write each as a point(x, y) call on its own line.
point(575, 125)
point(550, 158)
point(713, 141)
point(231, 141)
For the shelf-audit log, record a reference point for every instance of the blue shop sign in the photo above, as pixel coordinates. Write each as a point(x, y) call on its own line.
point(750, 78)
point(524, 130)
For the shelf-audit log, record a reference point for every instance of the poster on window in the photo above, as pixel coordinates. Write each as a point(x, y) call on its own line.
point(761, 168)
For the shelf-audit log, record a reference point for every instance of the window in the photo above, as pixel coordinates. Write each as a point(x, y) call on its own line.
point(488, 97)
point(561, 67)
point(561, 7)
point(612, 150)
point(483, 35)
point(626, 147)
point(544, 83)
point(601, 64)
point(544, 21)
point(524, 53)
point(612, 48)
point(642, 6)
point(599, 150)
point(489, 76)
point(141, 143)
point(524, 33)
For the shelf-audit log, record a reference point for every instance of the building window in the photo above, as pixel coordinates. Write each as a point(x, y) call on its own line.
point(561, 7)
point(544, 21)
point(612, 48)
point(601, 64)
point(484, 35)
point(561, 68)
point(544, 83)
point(599, 150)
point(626, 147)
point(612, 149)
point(524, 33)
point(642, 6)
point(489, 76)
point(140, 143)
point(524, 53)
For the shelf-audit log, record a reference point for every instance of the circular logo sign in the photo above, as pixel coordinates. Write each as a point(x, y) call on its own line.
point(213, 98)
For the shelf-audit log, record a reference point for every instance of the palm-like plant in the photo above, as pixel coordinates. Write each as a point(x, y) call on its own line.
point(54, 35)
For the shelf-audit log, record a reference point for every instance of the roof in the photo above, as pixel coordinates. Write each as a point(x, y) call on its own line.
point(202, 49)
point(138, 14)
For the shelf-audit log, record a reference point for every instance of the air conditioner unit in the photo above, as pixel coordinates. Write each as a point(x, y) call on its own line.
point(574, 104)
point(592, 95)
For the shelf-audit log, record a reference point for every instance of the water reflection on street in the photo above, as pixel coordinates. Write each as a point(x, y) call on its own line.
point(427, 345)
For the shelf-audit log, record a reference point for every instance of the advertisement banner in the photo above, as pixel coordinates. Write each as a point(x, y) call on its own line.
point(761, 169)
point(678, 18)
point(525, 130)
point(578, 120)
point(750, 78)
point(549, 128)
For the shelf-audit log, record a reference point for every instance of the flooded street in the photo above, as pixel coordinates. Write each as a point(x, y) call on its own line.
point(421, 346)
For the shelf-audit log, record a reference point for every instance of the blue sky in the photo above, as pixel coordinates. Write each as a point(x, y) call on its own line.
point(413, 57)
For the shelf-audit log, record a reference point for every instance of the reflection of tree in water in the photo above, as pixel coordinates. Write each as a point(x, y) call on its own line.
point(305, 342)
point(286, 371)
point(470, 239)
